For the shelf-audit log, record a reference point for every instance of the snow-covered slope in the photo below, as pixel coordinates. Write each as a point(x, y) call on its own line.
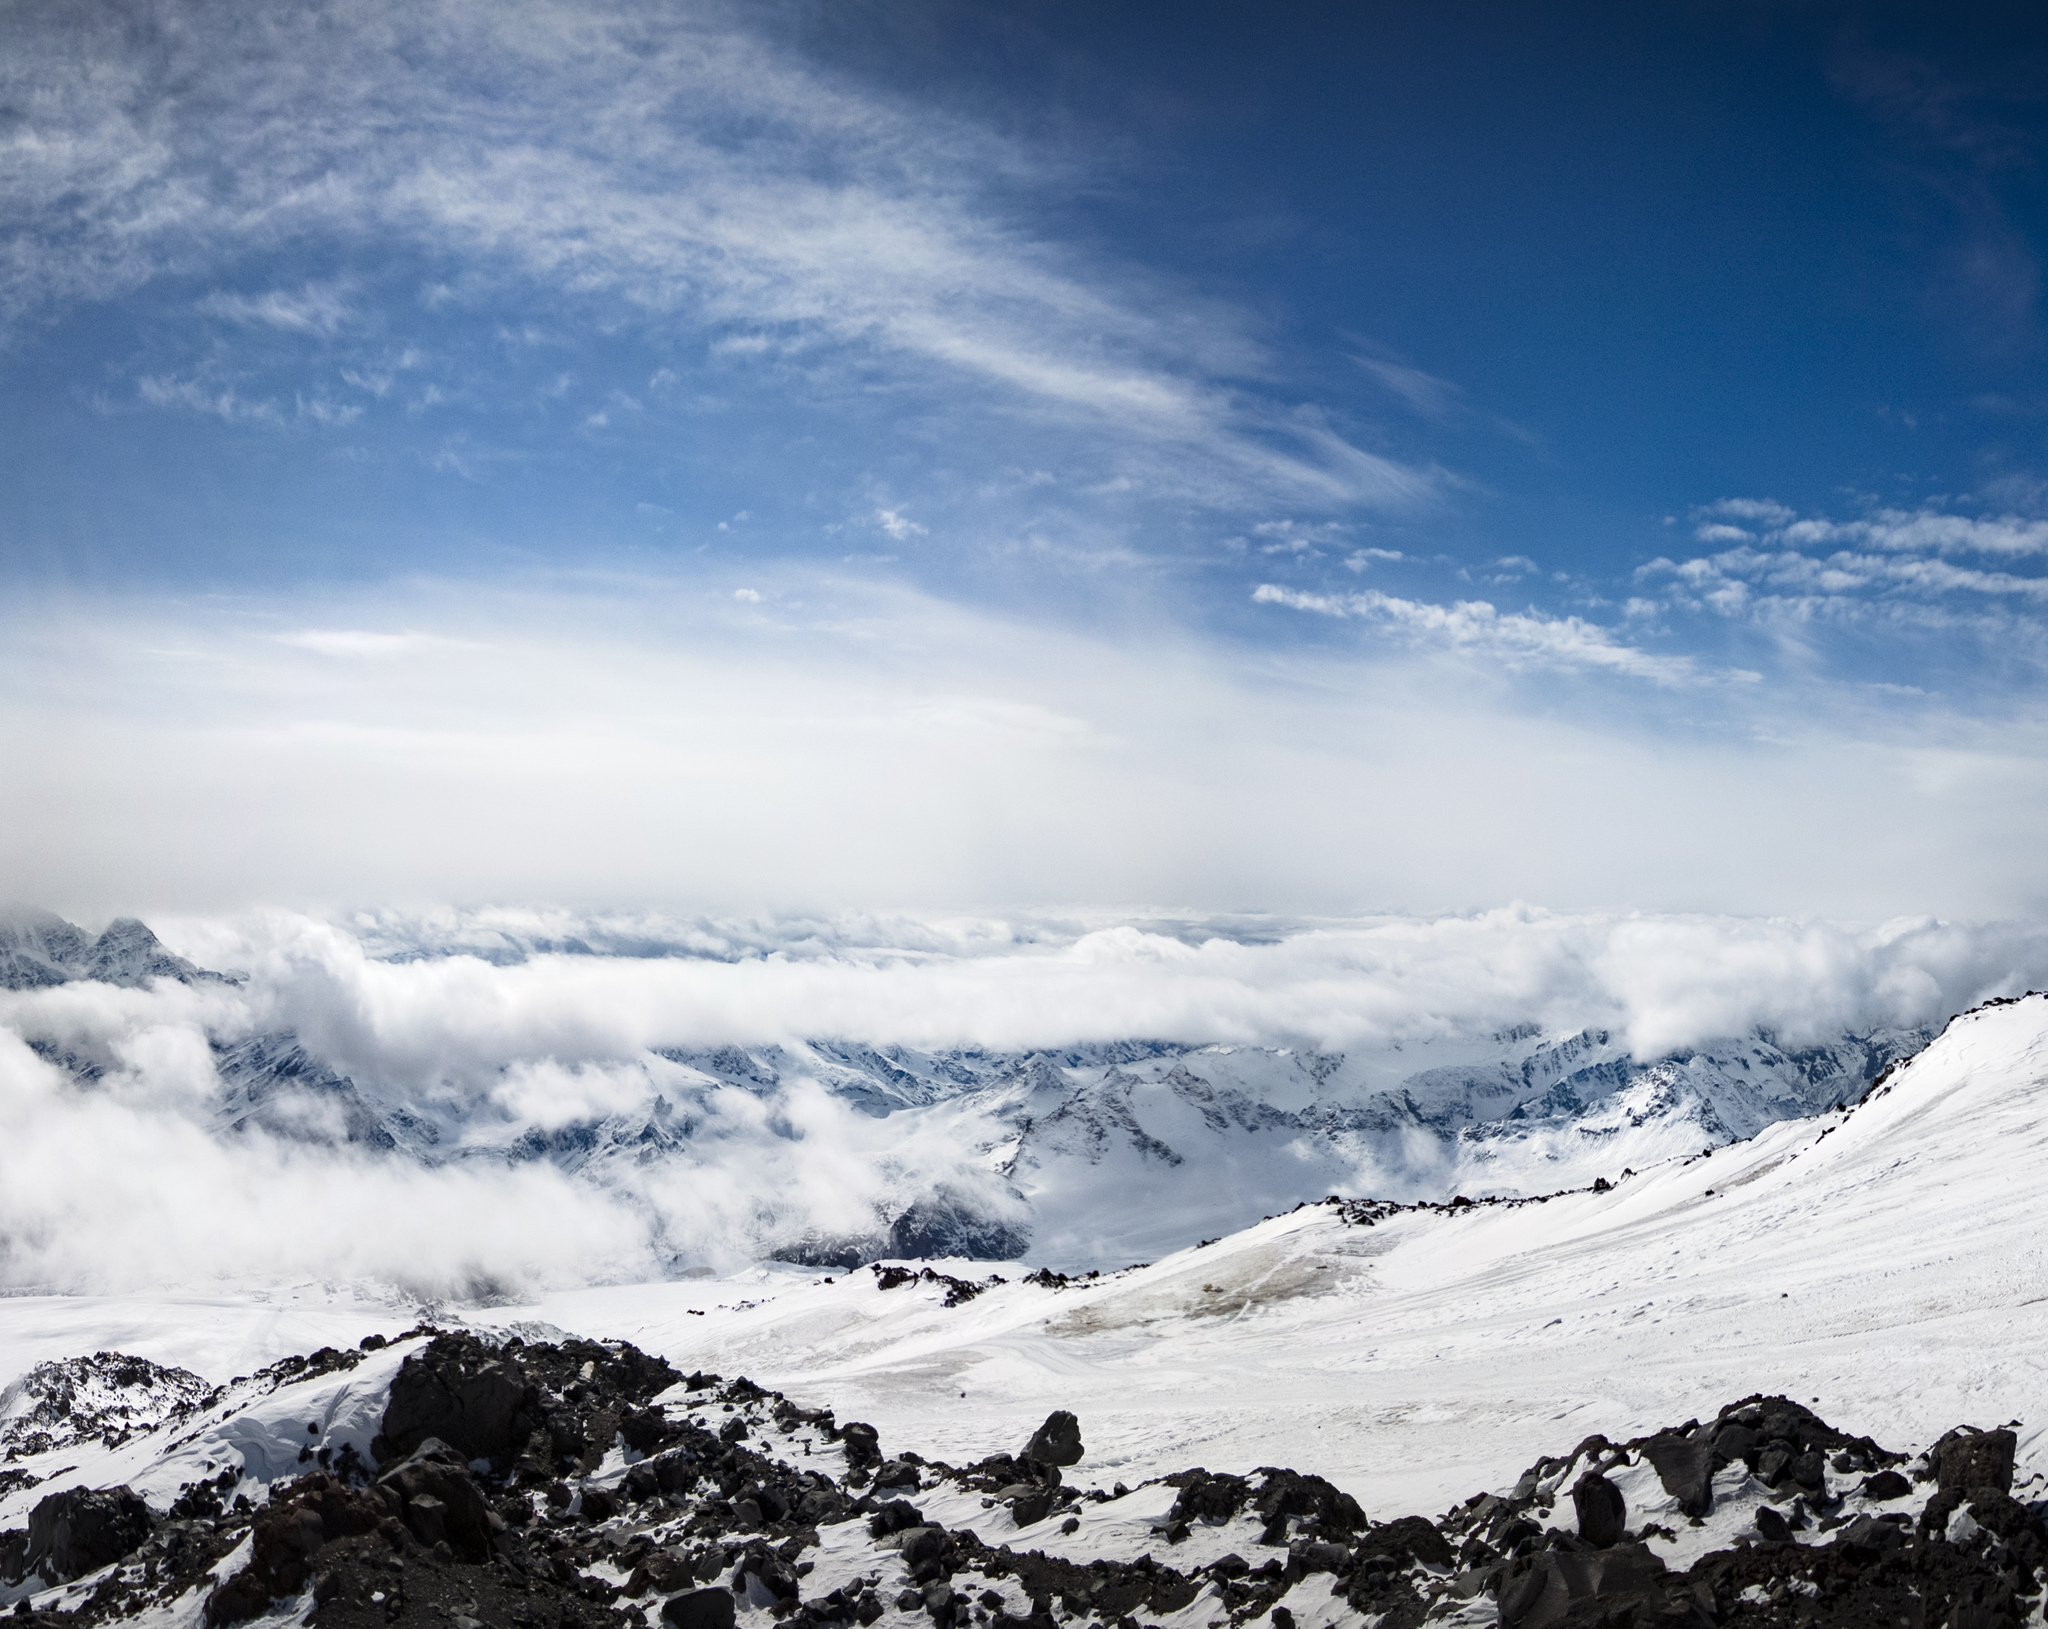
point(1889, 1261)
point(1883, 1264)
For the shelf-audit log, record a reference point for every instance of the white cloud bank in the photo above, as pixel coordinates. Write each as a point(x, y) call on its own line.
point(118, 1182)
point(844, 745)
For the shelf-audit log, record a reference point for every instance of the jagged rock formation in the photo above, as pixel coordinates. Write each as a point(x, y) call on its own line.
point(107, 1397)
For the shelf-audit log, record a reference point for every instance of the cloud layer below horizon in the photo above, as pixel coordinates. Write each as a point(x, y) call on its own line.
point(120, 1182)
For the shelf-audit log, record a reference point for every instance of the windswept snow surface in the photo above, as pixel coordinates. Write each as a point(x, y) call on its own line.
point(1885, 1264)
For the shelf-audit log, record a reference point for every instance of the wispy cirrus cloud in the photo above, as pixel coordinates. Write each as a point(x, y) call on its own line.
point(1514, 639)
point(633, 165)
point(313, 309)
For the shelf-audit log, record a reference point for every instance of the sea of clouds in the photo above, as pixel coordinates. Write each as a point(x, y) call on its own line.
point(495, 1020)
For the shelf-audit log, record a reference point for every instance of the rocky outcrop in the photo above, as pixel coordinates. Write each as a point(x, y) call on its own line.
point(79, 1531)
point(524, 1516)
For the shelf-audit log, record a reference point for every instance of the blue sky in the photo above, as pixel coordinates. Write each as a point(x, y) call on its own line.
point(1359, 457)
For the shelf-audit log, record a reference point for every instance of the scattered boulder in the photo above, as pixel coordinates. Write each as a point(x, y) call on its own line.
point(1685, 1465)
point(286, 1537)
point(1208, 1497)
point(458, 1392)
point(1414, 1536)
point(1624, 1581)
point(1057, 1442)
point(441, 1501)
point(1966, 1460)
point(863, 1444)
point(1602, 1511)
point(700, 1609)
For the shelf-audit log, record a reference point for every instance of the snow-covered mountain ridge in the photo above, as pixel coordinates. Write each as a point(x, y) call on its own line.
point(1086, 1100)
point(39, 948)
point(1080, 1154)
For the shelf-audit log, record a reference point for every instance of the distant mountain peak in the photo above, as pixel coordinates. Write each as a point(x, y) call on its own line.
point(38, 949)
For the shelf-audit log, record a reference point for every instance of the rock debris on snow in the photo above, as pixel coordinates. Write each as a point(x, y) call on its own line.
point(580, 1483)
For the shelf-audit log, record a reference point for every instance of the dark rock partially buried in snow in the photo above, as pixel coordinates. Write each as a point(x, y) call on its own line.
point(1626, 1580)
point(1685, 1465)
point(484, 1411)
point(1057, 1442)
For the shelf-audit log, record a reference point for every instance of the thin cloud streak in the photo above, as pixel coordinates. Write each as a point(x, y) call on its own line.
point(627, 161)
point(1516, 639)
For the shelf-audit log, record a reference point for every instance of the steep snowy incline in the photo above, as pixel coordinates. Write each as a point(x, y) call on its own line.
point(1888, 1262)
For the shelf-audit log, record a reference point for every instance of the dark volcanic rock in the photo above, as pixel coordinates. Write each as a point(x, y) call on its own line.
point(546, 1407)
point(441, 1501)
point(288, 1535)
point(1058, 1441)
point(700, 1609)
point(1685, 1465)
point(458, 1392)
point(1966, 1460)
point(1625, 1581)
point(1602, 1512)
point(82, 1529)
point(863, 1444)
